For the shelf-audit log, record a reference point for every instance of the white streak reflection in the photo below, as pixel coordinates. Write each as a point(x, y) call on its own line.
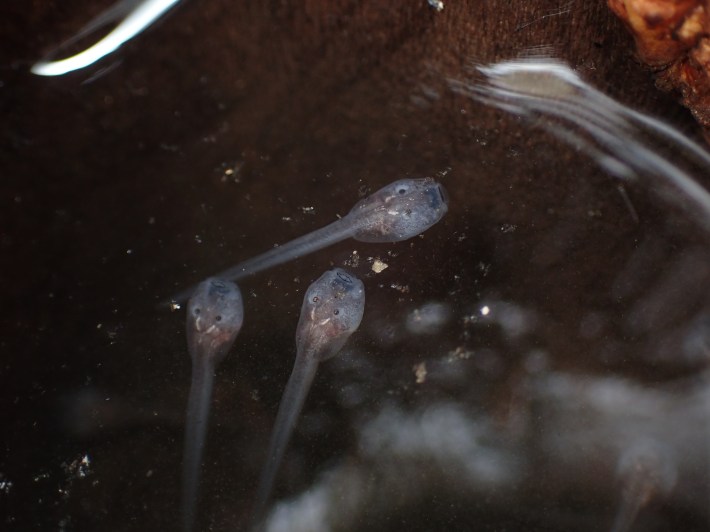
point(603, 128)
point(135, 22)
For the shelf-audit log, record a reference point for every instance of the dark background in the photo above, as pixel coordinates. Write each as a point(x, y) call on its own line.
point(207, 140)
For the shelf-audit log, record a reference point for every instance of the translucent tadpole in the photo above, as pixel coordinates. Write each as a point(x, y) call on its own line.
point(645, 470)
point(332, 310)
point(399, 211)
point(214, 317)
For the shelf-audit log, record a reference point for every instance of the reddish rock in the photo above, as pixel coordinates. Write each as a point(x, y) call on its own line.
point(672, 38)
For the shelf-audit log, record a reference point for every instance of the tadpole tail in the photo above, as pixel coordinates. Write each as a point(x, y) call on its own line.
point(290, 407)
point(635, 494)
point(314, 241)
point(198, 410)
point(626, 515)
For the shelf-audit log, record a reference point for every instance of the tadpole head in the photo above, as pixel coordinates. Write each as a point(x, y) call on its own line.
point(332, 310)
point(401, 210)
point(645, 468)
point(215, 314)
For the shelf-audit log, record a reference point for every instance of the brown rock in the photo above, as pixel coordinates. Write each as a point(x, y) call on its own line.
point(671, 37)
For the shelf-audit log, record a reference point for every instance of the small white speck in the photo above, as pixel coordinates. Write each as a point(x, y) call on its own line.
point(41, 476)
point(83, 469)
point(5, 486)
point(485, 310)
point(129, 252)
point(404, 289)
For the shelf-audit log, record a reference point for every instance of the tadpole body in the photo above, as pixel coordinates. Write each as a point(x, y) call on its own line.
point(332, 310)
point(397, 212)
point(215, 314)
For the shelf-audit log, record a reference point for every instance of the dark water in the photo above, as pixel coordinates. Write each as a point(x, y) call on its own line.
point(563, 326)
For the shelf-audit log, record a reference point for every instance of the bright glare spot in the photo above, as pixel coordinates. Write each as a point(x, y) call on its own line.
point(485, 310)
point(139, 19)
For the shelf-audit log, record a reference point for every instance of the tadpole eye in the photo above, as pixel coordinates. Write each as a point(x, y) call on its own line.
point(315, 299)
point(336, 311)
point(218, 318)
point(402, 190)
point(196, 312)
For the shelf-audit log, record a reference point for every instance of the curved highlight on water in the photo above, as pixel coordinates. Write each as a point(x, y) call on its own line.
point(606, 130)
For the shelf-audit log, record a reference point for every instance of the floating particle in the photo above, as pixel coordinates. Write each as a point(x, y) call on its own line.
point(428, 319)
point(460, 353)
point(5, 485)
point(353, 260)
point(403, 288)
point(420, 372)
point(378, 266)
point(230, 171)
